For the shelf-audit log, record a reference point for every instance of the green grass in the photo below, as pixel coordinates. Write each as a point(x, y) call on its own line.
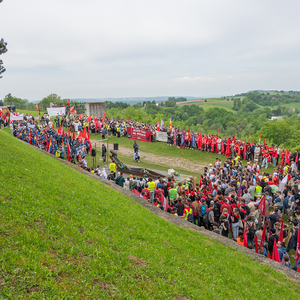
point(64, 235)
point(34, 113)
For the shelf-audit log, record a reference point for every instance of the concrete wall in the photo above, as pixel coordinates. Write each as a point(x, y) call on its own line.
point(95, 109)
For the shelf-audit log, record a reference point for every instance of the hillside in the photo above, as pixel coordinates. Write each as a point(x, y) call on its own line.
point(66, 235)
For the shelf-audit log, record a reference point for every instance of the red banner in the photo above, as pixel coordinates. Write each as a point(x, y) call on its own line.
point(139, 134)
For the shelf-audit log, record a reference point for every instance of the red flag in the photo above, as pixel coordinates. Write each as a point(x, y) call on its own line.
point(223, 148)
point(29, 135)
point(297, 157)
point(298, 271)
point(281, 159)
point(157, 126)
point(90, 145)
point(264, 143)
point(47, 144)
point(73, 137)
point(69, 132)
point(263, 236)
point(68, 101)
point(189, 134)
point(262, 206)
point(79, 137)
point(200, 140)
point(275, 254)
point(217, 134)
point(37, 106)
point(269, 255)
point(251, 143)
point(259, 138)
point(89, 119)
point(96, 124)
point(245, 237)
point(84, 135)
point(228, 148)
point(63, 131)
point(164, 202)
point(256, 244)
point(104, 117)
point(287, 157)
point(69, 152)
point(245, 150)
point(281, 232)
point(59, 130)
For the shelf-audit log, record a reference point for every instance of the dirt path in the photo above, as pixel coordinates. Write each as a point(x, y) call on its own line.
point(174, 162)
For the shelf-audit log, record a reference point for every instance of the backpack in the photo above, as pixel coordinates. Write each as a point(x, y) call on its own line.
point(251, 231)
point(206, 218)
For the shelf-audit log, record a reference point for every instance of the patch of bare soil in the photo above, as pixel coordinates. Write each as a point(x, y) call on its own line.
point(181, 298)
point(170, 162)
point(138, 261)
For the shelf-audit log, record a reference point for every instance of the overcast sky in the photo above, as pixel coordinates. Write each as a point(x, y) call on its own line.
point(137, 48)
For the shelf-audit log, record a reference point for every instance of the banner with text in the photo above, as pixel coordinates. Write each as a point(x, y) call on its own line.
point(139, 134)
point(161, 136)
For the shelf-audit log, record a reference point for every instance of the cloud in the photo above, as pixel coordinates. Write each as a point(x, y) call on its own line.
point(142, 48)
point(195, 78)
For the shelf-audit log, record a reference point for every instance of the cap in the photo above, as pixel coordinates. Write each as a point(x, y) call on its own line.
point(215, 224)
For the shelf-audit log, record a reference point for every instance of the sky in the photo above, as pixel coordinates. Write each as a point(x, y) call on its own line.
point(145, 48)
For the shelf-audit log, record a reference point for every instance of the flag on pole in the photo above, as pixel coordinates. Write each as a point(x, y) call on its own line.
point(256, 244)
point(79, 136)
point(281, 232)
point(59, 130)
point(162, 124)
point(63, 131)
point(193, 140)
point(84, 135)
point(245, 237)
point(37, 106)
point(182, 140)
point(157, 126)
point(170, 123)
point(262, 206)
point(200, 140)
point(263, 236)
point(104, 117)
point(164, 202)
point(275, 254)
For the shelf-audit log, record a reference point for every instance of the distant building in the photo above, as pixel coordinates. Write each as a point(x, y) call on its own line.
point(276, 117)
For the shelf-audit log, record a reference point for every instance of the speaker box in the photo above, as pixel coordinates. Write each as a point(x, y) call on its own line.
point(116, 146)
point(93, 152)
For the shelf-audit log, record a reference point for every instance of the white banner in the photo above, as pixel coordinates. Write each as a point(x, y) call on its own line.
point(53, 112)
point(161, 136)
point(16, 118)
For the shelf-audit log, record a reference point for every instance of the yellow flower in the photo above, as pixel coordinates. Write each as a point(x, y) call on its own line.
point(200, 264)
point(205, 248)
point(26, 169)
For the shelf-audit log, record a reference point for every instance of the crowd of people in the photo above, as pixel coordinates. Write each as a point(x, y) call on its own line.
point(233, 199)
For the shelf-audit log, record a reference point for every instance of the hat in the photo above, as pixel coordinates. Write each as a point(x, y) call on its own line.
point(130, 176)
point(297, 212)
point(159, 185)
point(215, 224)
point(210, 164)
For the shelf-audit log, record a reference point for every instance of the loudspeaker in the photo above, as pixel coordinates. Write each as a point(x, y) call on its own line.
point(116, 146)
point(93, 152)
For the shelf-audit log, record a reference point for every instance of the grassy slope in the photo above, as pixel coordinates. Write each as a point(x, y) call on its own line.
point(65, 235)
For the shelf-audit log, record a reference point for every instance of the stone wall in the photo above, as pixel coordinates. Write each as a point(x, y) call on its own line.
point(95, 109)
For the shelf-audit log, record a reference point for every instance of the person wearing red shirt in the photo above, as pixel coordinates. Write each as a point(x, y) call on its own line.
point(148, 193)
point(159, 192)
point(266, 158)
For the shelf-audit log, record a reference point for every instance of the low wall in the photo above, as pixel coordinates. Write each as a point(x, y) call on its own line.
point(184, 224)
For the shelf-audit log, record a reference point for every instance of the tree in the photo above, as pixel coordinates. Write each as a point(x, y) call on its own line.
point(3, 49)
